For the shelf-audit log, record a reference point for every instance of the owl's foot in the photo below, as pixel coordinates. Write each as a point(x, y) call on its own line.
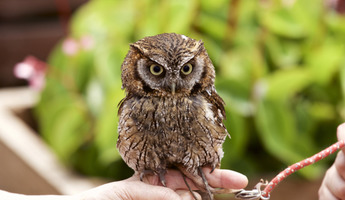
point(207, 186)
point(161, 175)
point(189, 188)
point(210, 190)
point(202, 184)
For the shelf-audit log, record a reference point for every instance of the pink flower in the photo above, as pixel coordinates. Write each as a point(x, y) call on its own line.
point(33, 70)
point(337, 5)
point(288, 3)
point(70, 46)
point(87, 42)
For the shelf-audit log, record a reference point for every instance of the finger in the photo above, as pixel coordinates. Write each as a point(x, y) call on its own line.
point(341, 133)
point(222, 178)
point(339, 164)
point(142, 191)
point(325, 194)
point(173, 178)
point(176, 181)
point(219, 178)
point(335, 183)
point(186, 195)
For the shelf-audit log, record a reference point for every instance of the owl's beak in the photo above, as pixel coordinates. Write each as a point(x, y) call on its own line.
point(173, 87)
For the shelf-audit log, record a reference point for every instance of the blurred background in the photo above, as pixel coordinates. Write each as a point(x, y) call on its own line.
point(280, 68)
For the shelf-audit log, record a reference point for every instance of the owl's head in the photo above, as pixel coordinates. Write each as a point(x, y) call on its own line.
point(167, 64)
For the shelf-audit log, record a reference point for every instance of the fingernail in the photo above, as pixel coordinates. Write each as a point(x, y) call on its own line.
point(241, 176)
point(244, 180)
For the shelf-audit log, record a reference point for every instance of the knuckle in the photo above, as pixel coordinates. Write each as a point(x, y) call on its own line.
point(321, 192)
point(340, 191)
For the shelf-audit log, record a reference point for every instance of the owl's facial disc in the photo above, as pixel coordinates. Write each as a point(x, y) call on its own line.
point(170, 79)
point(173, 73)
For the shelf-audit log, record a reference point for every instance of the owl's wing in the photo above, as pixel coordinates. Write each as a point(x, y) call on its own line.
point(217, 108)
point(217, 104)
point(121, 103)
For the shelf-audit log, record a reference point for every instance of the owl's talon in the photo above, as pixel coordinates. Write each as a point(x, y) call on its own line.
point(144, 173)
point(213, 168)
point(161, 175)
point(141, 176)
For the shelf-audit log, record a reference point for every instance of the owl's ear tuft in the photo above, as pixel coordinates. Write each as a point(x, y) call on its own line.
point(199, 46)
point(136, 47)
point(139, 48)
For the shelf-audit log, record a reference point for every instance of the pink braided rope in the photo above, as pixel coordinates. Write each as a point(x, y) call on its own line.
point(265, 194)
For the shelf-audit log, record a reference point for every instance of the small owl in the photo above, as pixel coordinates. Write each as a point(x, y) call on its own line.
point(172, 116)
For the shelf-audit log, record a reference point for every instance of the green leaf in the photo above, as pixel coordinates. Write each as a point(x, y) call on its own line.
point(336, 24)
point(109, 19)
point(236, 95)
point(284, 83)
point(213, 6)
point(284, 53)
point(342, 79)
point(213, 26)
point(322, 111)
point(107, 65)
point(235, 148)
point(280, 136)
point(325, 61)
point(180, 16)
point(106, 128)
point(282, 22)
point(69, 127)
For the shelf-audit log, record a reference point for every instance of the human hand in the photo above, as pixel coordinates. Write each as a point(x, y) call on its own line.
point(151, 188)
point(333, 184)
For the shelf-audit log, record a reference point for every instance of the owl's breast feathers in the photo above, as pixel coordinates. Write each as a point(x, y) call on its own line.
point(159, 132)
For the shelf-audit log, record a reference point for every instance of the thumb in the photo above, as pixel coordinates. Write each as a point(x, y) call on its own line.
point(142, 191)
point(341, 134)
point(341, 131)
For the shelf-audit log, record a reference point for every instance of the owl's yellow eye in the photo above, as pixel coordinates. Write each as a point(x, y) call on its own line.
point(187, 69)
point(156, 69)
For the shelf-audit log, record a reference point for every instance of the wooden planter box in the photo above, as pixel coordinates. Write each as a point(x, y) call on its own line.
point(28, 166)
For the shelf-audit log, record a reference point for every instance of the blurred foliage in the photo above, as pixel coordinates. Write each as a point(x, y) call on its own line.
point(280, 69)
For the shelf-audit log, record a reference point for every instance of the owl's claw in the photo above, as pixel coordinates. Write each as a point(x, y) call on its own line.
point(145, 172)
point(161, 175)
point(213, 168)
